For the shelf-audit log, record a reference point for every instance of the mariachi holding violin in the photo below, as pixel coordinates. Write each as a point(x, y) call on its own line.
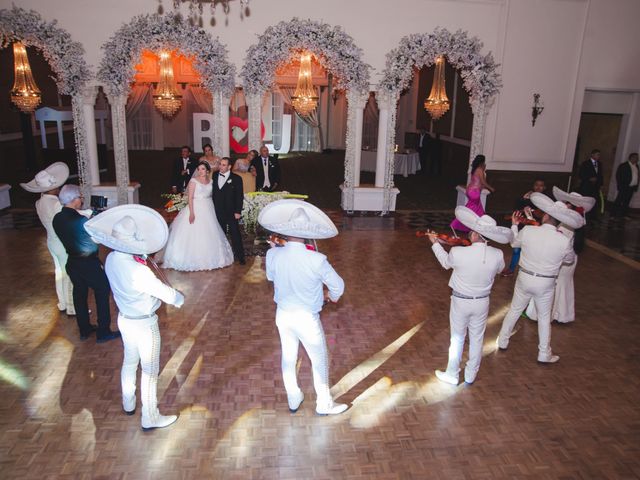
point(445, 238)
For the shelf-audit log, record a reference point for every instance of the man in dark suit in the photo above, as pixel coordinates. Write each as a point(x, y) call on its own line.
point(422, 145)
point(591, 178)
point(267, 170)
point(227, 200)
point(183, 169)
point(627, 180)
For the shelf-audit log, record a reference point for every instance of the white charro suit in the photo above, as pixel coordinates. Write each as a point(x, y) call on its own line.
point(474, 270)
point(544, 250)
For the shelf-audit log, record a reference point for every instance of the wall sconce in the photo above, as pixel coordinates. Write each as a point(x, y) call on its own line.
point(536, 109)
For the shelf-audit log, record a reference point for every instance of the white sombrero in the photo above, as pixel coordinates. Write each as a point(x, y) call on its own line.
point(557, 210)
point(295, 218)
point(134, 229)
point(574, 198)
point(50, 178)
point(484, 225)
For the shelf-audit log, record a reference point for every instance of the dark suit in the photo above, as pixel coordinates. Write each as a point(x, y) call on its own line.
point(179, 180)
point(589, 188)
point(625, 191)
point(227, 201)
point(423, 150)
point(274, 173)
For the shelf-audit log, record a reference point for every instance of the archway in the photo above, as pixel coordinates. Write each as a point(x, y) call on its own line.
point(66, 59)
point(477, 71)
point(336, 51)
point(155, 32)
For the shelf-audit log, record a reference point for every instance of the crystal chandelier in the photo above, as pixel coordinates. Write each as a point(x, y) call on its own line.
point(304, 100)
point(166, 99)
point(197, 6)
point(437, 104)
point(25, 94)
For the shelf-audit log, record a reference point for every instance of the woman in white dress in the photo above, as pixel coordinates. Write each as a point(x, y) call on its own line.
point(196, 241)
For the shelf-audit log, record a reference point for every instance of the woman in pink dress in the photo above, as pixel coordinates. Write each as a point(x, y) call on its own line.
point(474, 189)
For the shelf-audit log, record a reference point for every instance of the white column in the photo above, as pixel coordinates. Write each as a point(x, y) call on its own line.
point(88, 114)
point(120, 149)
point(224, 124)
point(383, 127)
point(254, 108)
point(358, 145)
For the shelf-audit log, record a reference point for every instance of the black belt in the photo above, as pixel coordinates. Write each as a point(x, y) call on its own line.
point(534, 274)
point(467, 297)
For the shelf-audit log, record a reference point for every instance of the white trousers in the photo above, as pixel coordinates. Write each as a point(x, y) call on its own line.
point(141, 340)
point(563, 310)
point(302, 326)
point(471, 315)
point(540, 290)
point(64, 288)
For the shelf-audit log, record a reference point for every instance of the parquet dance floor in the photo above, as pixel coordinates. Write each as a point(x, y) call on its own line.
point(60, 403)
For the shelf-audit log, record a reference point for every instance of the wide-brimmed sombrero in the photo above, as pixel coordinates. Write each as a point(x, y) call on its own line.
point(50, 178)
point(295, 218)
point(484, 225)
point(133, 228)
point(574, 198)
point(557, 210)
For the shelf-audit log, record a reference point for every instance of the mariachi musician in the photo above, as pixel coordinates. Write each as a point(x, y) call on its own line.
point(474, 270)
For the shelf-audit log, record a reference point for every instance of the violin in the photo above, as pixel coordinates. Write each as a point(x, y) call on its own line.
point(528, 219)
point(279, 241)
point(446, 239)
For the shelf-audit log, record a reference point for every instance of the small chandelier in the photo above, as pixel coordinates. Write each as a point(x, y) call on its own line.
point(166, 99)
point(197, 6)
point(304, 100)
point(437, 104)
point(25, 94)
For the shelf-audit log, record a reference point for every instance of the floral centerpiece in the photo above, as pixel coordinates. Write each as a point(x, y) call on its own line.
point(254, 202)
point(177, 201)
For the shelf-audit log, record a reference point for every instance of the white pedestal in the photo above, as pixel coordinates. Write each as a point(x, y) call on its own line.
point(5, 199)
point(111, 192)
point(462, 196)
point(370, 199)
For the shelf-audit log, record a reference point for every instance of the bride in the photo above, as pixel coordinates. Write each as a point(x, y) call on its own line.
point(196, 241)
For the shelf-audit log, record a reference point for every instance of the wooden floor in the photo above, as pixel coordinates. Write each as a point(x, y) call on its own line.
point(60, 409)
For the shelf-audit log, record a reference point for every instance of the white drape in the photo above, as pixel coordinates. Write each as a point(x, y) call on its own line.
point(139, 110)
point(136, 98)
point(312, 119)
point(202, 98)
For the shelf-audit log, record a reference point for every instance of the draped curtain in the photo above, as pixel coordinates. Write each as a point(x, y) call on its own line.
point(370, 131)
point(139, 110)
point(312, 119)
point(202, 98)
point(136, 98)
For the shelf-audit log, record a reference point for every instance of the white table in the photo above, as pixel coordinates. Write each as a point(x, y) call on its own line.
point(405, 163)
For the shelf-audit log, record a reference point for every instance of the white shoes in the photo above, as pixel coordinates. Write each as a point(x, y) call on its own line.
point(445, 377)
point(157, 421)
point(548, 358)
point(331, 408)
point(295, 401)
point(129, 405)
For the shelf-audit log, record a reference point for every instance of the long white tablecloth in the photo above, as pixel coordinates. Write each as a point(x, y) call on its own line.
point(405, 163)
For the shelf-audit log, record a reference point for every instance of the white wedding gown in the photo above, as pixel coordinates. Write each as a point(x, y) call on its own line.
point(201, 245)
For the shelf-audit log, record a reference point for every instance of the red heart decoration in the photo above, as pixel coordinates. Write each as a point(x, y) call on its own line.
point(243, 124)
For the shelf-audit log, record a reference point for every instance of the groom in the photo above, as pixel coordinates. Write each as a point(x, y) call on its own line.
point(227, 200)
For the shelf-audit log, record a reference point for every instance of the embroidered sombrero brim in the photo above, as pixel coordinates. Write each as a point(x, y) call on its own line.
point(55, 176)
point(574, 198)
point(296, 218)
point(557, 210)
point(485, 225)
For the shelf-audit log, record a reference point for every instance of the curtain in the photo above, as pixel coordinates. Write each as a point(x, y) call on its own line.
point(370, 131)
point(202, 98)
point(136, 98)
point(312, 119)
point(139, 110)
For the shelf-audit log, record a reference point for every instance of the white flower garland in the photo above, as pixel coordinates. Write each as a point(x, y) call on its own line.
point(334, 49)
point(65, 57)
point(169, 31)
point(477, 71)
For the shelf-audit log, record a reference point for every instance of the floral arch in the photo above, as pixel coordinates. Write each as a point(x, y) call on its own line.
point(66, 59)
point(477, 71)
point(169, 31)
point(335, 51)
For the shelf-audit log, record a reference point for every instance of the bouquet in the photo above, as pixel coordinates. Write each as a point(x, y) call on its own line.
point(254, 202)
point(177, 201)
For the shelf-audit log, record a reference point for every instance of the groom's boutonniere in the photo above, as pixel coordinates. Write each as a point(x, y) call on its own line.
point(229, 181)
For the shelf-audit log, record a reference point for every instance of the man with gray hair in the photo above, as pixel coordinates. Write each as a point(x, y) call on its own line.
point(83, 266)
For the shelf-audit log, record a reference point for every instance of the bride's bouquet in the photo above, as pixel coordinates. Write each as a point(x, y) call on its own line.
point(177, 201)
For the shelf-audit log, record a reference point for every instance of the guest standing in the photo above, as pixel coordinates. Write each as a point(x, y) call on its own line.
point(48, 182)
point(423, 149)
point(267, 170)
point(477, 182)
point(242, 167)
point(591, 179)
point(627, 181)
point(83, 266)
point(211, 158)
point(474, 270)
point(298, 276)
point(183, 169)
point(228, 199)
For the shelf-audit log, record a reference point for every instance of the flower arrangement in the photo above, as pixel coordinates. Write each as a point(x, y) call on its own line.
point(169, 31)
point(478, 71)
point(177, 201)
point(254, 202)
point(65, 56)
point(334, 49)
